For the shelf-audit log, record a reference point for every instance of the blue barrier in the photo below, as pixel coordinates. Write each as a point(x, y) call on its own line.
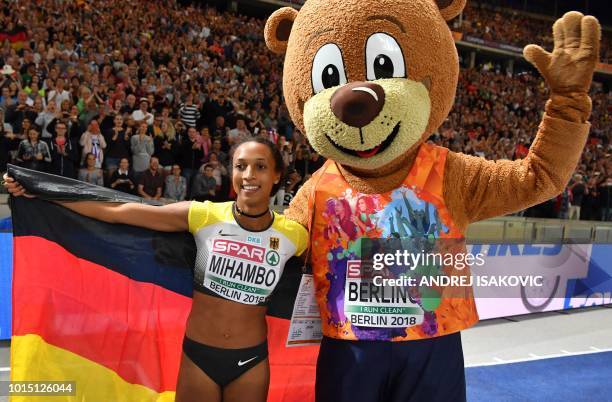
point(596, 288)
point(584, 279)
point(6, 278)
point(6, 224)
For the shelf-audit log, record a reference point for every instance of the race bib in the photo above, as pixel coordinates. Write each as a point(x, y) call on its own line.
point(367, 303)
point(243, 272)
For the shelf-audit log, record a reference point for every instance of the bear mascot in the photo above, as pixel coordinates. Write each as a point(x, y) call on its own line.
point(367, 82)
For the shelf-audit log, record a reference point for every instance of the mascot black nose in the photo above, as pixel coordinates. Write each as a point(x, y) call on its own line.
point(358, 103)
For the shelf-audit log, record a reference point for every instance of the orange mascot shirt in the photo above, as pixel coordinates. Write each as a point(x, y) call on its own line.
point(352, 306)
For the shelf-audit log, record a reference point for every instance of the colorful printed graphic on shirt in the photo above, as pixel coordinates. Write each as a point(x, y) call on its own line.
point(407, 216)
point(352, 306)
point(375, 312)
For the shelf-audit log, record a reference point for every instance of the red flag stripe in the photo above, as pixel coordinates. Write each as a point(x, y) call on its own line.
point(13, 37)
point(127, 326)
point(292, 370)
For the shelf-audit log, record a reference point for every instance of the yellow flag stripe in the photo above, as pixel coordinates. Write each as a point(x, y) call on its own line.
point(33, 359)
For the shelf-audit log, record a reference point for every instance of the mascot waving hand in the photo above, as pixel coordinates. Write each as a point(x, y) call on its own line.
point(368, 82)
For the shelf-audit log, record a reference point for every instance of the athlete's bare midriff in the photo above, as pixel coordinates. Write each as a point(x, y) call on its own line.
point(225, 324)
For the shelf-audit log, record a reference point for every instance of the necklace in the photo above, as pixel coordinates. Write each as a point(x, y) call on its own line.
point(242, 213)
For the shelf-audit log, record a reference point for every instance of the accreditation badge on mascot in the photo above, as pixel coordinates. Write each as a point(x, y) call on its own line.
point(368, 302)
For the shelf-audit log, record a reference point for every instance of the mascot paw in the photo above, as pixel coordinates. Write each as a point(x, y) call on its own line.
point(569, 68)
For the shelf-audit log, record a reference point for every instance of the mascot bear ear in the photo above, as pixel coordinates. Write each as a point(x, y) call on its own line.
point(450, 8)
point(278, 28)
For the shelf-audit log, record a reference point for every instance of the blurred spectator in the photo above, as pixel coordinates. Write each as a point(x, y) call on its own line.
point(175, 188)
point(204, 184)
point(287, 192)
point(90, 173)
point(591, 209)
point(33, 153)
point(239, 133)
point(287, 152)
point(220, 131)
point(255, 123)
point(89, 113)
point(316, 162)
point(58, 94)
point(64, 152)
point(577, 189)
point(562, 204)
point(605, 193)
point(118, 144)
point(221, 156)
point(188, 112)
point(142, 148)
point(190, 154)
point(130, 105)
point(302, 161)
point(143, 114)
point(43, 119)
point(93, 142)
point(9, 142)
point(206, 143)
point(122, 179)
point(219, 173)
point(166, 147)
point(151, 182)
point(18, 112)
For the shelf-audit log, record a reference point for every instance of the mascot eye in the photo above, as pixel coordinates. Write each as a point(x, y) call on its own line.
point(384, 58)
point(328, 68)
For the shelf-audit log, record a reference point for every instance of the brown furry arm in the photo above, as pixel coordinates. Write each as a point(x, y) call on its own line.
point(477, 189)
point(298, 208)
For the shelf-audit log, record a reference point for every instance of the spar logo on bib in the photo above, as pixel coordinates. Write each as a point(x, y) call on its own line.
point(240, 250)
point(272, 258)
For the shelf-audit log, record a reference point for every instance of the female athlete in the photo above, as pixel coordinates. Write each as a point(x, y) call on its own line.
point(242, 247)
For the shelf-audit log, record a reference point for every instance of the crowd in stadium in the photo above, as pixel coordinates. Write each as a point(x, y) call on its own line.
point(510, 27)
point(149, 97)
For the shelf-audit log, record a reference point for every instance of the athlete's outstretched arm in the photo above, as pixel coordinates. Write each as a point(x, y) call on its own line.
point(168, 218)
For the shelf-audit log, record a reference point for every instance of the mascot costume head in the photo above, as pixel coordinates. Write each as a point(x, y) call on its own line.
point(367, 82)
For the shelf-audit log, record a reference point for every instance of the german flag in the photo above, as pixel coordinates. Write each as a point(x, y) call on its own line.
point(105, 305)
point(16, 37)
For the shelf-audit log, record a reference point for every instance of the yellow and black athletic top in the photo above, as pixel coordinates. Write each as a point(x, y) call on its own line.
point(238, 264)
